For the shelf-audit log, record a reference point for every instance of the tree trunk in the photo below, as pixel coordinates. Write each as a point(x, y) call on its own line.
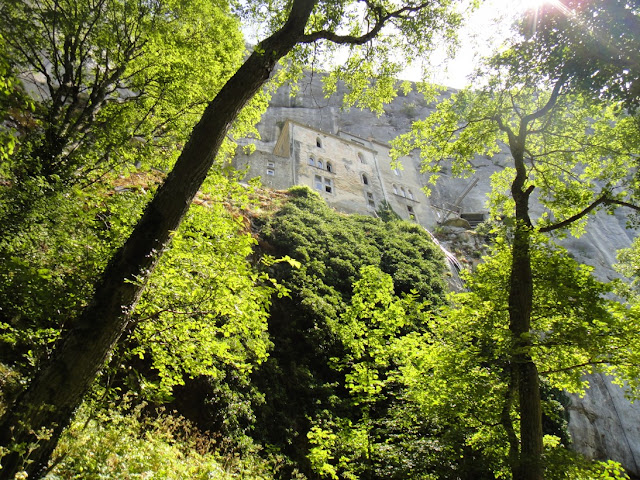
point(507, 423)
point(36, 420)
point(529, 466)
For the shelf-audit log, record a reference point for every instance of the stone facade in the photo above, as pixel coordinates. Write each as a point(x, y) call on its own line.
point(353, 174)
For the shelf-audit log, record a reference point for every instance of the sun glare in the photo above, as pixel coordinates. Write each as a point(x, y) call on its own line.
point(524, 5)
point(529, 4)
point(486, 31)
point(535, 7)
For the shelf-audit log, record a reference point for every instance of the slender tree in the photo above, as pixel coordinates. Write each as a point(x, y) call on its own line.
point(34, 422)
point(462, 366)
point(572, 153)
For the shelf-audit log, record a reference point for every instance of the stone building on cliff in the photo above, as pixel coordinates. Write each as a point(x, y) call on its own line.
point(352, 174)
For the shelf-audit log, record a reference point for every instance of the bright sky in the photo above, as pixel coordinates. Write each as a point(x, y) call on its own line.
point(485, 31)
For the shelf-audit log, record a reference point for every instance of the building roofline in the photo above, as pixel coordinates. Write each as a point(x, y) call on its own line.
point(377, 142)
point(337, 137)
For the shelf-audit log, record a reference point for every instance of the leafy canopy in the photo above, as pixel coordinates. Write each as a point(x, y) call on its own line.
point(115, 82)
point(594, 44)
point(460, 368)
point(327, 380)
point(362, 45)
point(575, 153)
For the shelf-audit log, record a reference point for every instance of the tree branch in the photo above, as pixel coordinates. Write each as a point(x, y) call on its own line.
point(362, 39)
point(576, 366)
point(602, 200)
point(556, 226)
point(555, 93)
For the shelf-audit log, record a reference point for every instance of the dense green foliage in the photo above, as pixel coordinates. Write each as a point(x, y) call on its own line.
point(463, 369)
point(115, 93)
point(322, 341)
point(364, 378)
point(121, 81)
point(330, 369)
point(49, 271)
point(112, 92)
point(215, 324)
point(209, 319)
point(123, 442)
point(96, 57)
point(569, 156)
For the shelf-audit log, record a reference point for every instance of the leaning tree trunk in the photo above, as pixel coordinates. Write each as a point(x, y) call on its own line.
point(529, 466)
point(32, 426)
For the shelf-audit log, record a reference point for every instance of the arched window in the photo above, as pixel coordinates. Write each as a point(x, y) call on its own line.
point(321, 164)
point(361, 158)
point(402, 192)
point(329, 167)
point(318, 142)
point(410, 194)
point(312, 162)
point(365, 180)
point(396, 171)
point(395, 189)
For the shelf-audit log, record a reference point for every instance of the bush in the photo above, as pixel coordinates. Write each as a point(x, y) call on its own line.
point(124, 443)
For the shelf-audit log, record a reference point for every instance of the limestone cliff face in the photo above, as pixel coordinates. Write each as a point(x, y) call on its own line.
point(603, 424)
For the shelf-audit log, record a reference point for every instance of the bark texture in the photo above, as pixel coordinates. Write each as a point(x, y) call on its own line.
point(529, 466)
point(39, 415)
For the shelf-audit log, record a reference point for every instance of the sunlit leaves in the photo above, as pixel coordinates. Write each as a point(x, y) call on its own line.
point(123, 82)
point(334, 338)
point(370, 323)
point(188, 55)
point(460, 368)
point(49, 271)
point(369, 329)
point(366, 68)
point(206, 307)
point(452, 133)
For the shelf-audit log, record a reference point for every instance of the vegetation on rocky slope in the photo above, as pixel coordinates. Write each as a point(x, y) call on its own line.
point(151, 327)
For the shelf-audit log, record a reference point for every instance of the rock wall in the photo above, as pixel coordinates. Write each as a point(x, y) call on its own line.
point(603, 424)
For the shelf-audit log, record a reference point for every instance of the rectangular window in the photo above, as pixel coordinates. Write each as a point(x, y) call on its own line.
point(271, 164)
point(323, 184)
point(270, 171)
